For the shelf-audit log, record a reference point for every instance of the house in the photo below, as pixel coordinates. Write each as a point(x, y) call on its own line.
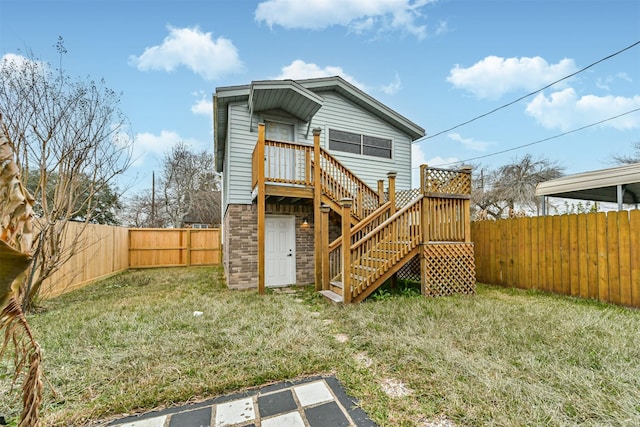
point(303, 163)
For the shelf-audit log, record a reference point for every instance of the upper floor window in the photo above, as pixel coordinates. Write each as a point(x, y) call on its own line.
point(356, 143)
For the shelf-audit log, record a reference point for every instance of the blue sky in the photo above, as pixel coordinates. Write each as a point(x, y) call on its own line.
point(439, 63)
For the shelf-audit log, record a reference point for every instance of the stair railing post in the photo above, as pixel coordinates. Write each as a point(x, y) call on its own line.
point(261, 202)
point(380, 192)
point(392, 191)
point(466, 207)
point(424, 219)
point(346, 203)
point(324, 209)
point(317, 200)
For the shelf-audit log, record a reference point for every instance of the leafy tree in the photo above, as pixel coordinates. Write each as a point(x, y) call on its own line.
point(101, 207)
point(511, 187)
point(70, 134)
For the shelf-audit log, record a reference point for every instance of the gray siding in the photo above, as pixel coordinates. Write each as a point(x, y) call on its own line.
point(340, 114)
point(336, 113)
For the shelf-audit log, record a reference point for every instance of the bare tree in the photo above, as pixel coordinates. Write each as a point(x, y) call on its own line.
point(511, 188)
point(627, 159)
point(141, 211)
point(187, 180)
point(73, 136)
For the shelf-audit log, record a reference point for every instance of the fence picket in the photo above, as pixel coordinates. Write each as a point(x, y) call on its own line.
point(593, 255)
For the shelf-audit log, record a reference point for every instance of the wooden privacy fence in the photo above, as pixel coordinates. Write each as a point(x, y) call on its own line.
point(173, 247)
point(105, 250)
point(101, 250)
point(594, 255)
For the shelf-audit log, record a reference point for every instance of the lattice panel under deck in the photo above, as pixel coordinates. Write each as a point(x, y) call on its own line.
point(411, 270)
point(450, 269)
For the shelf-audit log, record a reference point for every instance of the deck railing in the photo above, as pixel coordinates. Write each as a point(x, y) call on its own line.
point(284, 163)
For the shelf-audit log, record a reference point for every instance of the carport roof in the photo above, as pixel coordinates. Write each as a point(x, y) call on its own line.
point(604, 185)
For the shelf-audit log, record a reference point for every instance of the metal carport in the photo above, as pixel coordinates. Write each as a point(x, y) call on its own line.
point(619, 185)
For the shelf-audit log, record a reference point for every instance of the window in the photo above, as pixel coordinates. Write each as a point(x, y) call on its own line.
point(359, 144)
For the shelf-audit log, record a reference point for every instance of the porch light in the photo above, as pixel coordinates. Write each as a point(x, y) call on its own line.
point(305, 222)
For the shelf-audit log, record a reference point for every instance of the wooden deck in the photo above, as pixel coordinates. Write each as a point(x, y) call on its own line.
point(382, 234)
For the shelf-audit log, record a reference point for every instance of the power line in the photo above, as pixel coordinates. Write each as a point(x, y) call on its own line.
point(527, 95)
point(538, 141)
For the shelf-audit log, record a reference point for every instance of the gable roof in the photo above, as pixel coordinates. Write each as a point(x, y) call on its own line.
point(301, 99)
point(600, 185)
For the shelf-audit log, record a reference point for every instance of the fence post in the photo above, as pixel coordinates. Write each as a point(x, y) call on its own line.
point(346, 249)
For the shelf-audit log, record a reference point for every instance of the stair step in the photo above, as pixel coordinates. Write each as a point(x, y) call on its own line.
point(332, 296)
point(336, 284)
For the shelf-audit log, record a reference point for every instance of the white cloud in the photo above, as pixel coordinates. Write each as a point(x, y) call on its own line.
point(604, 83)
point(299, 69)
point(147, 144)
point(564, 110)
point(203, 107)
point(357, 15)
point(193, 49)
point(418, 158)
point(469, 143)
point(493, 76)
point(393, 87)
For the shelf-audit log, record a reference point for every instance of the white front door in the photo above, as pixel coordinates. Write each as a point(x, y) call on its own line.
point(280, 250)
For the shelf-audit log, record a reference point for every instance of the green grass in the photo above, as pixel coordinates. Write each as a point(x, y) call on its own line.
point(502, 357)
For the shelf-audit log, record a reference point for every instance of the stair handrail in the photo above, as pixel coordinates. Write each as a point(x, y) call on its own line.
point(363, 196)
point(362, 225)
point(387, 222)
point(367, 267)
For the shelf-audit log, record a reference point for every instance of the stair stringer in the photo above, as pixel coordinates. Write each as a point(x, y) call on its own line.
point(387, 274)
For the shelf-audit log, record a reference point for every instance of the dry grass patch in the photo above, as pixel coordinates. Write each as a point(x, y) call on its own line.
point(131, 343)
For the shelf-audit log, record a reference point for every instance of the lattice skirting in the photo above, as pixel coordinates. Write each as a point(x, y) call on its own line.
point(411, 270)
point(450, 269)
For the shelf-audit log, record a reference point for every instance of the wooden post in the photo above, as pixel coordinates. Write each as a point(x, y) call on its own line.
point(423, 172)
point(346, 249)
point(424, 229)
point(260, 199)
point(466, 207)
point(380, 192)
point(392, 191)
point(325, 246)
point(317, 200)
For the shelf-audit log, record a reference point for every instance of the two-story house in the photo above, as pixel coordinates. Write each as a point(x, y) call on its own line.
point(290, 150)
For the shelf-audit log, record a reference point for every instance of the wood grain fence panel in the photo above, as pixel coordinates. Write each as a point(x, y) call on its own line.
point(634, 256)
point(549, 253)
point(613, 257)
point(574, 262)
point(565, 267)
point(151, 247)
point(583, 255)
point(535, 253)
point(525, 254)
point(593, 257)
point(624, 258)
point(603, 265)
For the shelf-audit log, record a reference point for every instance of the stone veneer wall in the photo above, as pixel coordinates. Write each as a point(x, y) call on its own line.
point(241, 248)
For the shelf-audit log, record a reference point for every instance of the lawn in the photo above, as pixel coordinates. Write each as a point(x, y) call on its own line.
point(503, 357)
